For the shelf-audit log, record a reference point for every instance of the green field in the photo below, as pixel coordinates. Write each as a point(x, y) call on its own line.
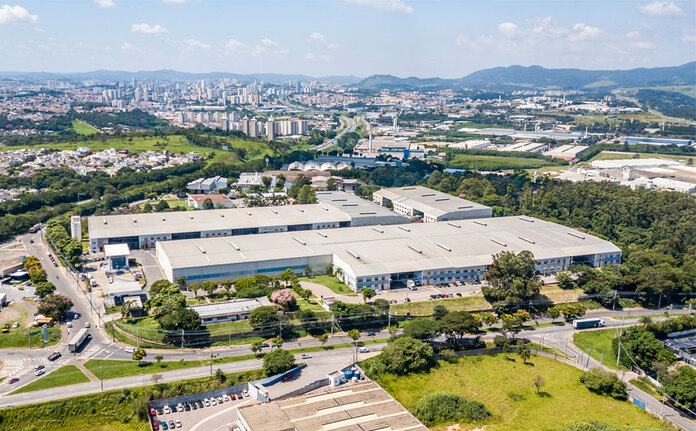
point(495, 163)
point(63, 376)
point(333, 283)
point(17, 338)
point(496, 381)
point(82, 128)
point(600, 342)
point(608, 155)
point(108, 411)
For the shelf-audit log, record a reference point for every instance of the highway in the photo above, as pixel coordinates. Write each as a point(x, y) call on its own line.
point(351, 126)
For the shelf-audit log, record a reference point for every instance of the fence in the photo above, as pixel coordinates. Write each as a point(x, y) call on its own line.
point(310, 387)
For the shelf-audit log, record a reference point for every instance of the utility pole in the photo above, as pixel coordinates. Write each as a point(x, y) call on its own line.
point(332, 324)
point(137, 337)
point(229, 336)
point(659, 301)
point(101, 377)
point(588, 358)
point(182, 340)
point(618, 356)
point(212, 357)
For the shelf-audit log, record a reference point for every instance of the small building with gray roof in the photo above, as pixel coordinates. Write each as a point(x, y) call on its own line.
point(424, 204)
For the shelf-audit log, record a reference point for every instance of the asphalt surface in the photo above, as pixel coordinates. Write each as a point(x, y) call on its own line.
point(350, 128)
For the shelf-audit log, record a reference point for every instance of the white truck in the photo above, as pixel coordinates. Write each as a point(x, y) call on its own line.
point(77, 340)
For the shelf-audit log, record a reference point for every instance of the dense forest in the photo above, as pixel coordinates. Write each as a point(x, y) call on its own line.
point(669, 103)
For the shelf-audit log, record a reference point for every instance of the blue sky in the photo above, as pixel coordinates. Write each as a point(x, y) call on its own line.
point(340, 37)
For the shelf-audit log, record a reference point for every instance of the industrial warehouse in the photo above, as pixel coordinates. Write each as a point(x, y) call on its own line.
point(336, 209)
point(385, 257)
point(424, 204)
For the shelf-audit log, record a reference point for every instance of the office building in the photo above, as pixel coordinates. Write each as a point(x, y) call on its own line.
point(429, 205)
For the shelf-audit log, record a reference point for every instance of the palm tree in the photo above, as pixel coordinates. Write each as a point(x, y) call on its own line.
point(645, 321)
point(524, 354)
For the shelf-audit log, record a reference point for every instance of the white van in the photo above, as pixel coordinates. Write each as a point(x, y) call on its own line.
point(129, 349)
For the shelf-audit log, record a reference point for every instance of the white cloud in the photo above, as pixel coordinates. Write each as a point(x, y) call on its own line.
point(175, 1)
point(234, 46)
point(643, 45)
point(192, 44)
point(661, 8)
point(391, 5)
point(105, 3)
point(582, 32)
point(317, 37)
point(508, 29)
point(318, 57)
point(332, 46)
point(633, 34)
point(268, 42)
point(127, 48)
point(546, 27)
point(463, 40)
point(16, 14)
point(147, 28)
point(689, 38)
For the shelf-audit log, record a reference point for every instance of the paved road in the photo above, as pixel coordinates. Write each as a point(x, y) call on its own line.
point(323, 363)
point(349, 128)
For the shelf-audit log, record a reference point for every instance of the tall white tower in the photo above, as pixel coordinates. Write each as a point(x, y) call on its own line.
point(76, 228)
point(396, 121)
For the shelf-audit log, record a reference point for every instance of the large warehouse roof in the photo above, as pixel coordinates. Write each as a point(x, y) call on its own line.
point(233, 218)
point(360, 209)
point(352, 408)
point(396, 248)
point(428, 200)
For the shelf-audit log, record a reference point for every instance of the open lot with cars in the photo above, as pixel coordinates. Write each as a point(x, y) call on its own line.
point(187, 415)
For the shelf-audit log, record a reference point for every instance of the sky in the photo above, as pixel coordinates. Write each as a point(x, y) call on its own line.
point(423, 38)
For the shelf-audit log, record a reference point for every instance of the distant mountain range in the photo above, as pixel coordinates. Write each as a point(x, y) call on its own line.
point(499, 78)
point(518, 77)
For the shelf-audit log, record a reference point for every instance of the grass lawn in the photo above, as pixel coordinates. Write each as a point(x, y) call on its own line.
point(616, 155)
point(494, 163)
point(17, 338)
point(600, 342)
point(82, 128)
point(114, 369)
point(63, 376)
point(333, 283)
point(495, 381)
point(425, 308)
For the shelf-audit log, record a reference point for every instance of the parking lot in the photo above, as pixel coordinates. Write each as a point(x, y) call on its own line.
point(201, 414)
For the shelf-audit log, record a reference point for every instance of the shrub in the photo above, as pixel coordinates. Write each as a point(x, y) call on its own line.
point(604, 383)
point(448, 355)
point(442, 407)
point(407, 355)
point(278, 361)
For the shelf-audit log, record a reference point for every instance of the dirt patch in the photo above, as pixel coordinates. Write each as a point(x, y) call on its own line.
point(18, 311)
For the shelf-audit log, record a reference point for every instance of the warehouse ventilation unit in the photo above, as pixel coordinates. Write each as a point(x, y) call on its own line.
point(463, 207)
point(480, 223)
point(414, 248)
point(376, 229)
point(455, 225)
point(497, 241)
point(405, 229)
point(576, 235)
point(299, 240)
point(355, 255)
point(236, 247)
point(531, 220)
point(322, 234)
point(527, 240)
point(442, 246)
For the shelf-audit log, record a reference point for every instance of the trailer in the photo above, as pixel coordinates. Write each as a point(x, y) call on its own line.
point(588, 323)
point(77, 340)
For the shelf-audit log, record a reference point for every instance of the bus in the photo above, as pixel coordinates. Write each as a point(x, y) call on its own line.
point(77, 340)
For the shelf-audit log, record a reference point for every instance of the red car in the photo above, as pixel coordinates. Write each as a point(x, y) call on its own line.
point(13, 380)
point(155, 426)
point(153, 412)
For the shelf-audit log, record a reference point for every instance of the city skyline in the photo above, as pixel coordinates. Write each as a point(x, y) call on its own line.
point(354, 37)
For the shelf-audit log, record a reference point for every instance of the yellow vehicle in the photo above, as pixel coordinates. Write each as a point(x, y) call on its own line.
point(6, 328)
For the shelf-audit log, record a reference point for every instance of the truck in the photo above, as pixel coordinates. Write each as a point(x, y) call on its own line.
point(77, 340)
point(588, 323)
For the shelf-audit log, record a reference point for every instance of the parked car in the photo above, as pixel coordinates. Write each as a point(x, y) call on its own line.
point(245, 393)
point(206, 402)
point(129, 350)
point(153, 412)
point(180, 407)
point(178, 423)
point(164, 425)
point(167, 410)
point(69, 324)
point(39, 373)
point(371, 333)
point(172, 425)
point(15, 325)
point(86, 324)
point(363, 350)
point(155, 426)
point(213, 402)
point(306, 356)
point(187, 407)
point(225, 397)
point(39, 367)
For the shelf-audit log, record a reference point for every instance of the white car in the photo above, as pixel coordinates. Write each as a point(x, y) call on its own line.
point(225, 397)
point(213, 401)
point(306, 356)
point(39, 372)
point(219, 400)
point(245, 393)
point(69, 324)
point(129, 350)
point(206, 402)
point(167, 410)
point(363, 350)
point(178, 423)
point(180, 408)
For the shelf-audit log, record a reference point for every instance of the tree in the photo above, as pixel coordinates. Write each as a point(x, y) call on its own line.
point(524, 354)
point(256, 347)
point(323, 338)
point(263, 317)
point(423, 329)
point(554, 312)
point(208, 204)
point(181, 318)
point(277, 342)
point(127, 309)
point(681, 386)
point(210, 287)
point(284, 298)
point(55, 306)
point(44, 288)
point(604, 383)
point(156, 378)
point(30, 262)
point(139, 355)
point(645, 321)
point(565, 280)
point(287, 276)
point(441, 407)
point(367, 293)
point(37, 275)
point(220, 376)
point(354, 334)
point(572, 311)
point(308, 271)
point(332, 184)
point(439, 311)
point(407, 355)
point(278, 361)
point(162, 206)
point(489, 319)
point(538, 383)
point(456, 324)
point(307, 195)
point(512, 278)
point(159, 358)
